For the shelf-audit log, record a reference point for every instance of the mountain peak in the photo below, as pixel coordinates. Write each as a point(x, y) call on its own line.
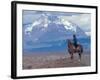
point(48, 27)
point(44, 20)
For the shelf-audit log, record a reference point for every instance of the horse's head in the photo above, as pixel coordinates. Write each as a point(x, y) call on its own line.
point(69, 41)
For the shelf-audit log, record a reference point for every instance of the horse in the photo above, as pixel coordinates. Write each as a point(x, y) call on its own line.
point(72, 49)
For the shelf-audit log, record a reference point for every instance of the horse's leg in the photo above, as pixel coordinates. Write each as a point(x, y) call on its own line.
point(80, 52)
point(79, 56)
point(71, 56)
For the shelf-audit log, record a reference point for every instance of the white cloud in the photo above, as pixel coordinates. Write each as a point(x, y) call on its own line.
point(82, 20)
point(29, 28)
point(42, 21)
point(88, 33)
point(68, 25)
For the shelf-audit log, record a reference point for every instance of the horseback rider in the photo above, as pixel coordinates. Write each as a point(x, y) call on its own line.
point(74, 47)
point(74, 41)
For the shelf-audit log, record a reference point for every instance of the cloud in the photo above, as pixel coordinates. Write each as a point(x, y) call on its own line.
point(31, 15)
point(88, 33)
point(82, 20)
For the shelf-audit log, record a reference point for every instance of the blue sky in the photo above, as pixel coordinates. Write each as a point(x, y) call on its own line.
point(83, 20)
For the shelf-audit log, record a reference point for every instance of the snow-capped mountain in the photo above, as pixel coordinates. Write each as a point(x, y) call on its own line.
point(51, 28)
point(44, 20)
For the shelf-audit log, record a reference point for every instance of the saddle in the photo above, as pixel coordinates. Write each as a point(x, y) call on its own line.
point(76, 48)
